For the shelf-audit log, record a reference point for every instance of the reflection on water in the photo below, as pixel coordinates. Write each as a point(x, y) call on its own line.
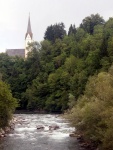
point(26, 136)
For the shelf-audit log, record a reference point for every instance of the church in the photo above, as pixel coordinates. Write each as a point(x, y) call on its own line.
point(28, 39)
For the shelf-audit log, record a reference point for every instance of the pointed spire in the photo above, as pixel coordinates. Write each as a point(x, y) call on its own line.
point(29, 31)
point(29, 25)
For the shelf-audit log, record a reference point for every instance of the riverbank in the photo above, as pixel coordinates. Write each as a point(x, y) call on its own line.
point(6, 130)
point(86, 145)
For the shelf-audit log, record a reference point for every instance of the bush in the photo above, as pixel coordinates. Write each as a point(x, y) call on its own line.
point(93, 114)
point(7, 104)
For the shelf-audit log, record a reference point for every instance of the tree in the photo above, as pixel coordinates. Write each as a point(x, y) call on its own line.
point(32, 63)
point(7, 104)
point(90, 22)
point(46, 51)
point(58, 91)
point(72, 30)
point(80, 34)
point(5, 66)
point(54, 32)
point(71, 64)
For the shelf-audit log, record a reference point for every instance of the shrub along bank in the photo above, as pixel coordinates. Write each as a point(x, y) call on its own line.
point(92, 115)
point(7, 104)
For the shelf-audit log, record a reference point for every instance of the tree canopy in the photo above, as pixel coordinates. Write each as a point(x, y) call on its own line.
point(90, 22)
point(54, 32)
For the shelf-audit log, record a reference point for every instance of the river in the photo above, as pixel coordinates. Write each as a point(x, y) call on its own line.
point(26, 136)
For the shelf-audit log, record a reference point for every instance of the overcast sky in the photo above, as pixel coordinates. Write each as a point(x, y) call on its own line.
point(14, 17)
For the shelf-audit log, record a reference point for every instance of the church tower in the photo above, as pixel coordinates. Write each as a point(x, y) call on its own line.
point(28, 36)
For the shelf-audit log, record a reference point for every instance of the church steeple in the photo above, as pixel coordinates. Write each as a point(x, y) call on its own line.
point(28, 37)
point(29, 31)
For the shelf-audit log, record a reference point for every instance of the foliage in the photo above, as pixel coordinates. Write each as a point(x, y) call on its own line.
point(65, 71)
point(72, 30)
point(90, 22)
point(7, 104)
point(92, 115)
point(60, 65)
point(54, 32)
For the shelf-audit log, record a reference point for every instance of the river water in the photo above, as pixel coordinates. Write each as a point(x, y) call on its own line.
point(26, 136)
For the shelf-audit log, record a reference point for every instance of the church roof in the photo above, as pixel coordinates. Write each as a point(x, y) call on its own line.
point(29, 31)
point(16, 52)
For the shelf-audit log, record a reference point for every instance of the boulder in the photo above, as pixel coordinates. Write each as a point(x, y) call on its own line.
point(40, 127)
point(2, 131)
point(72, 135)
point(7, 129)
point(54, 127)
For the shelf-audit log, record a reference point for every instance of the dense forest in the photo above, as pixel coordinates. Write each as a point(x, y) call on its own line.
point(68, 71)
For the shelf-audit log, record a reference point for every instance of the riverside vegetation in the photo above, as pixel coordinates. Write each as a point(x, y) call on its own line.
point(7, 107)
point(69, 71)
